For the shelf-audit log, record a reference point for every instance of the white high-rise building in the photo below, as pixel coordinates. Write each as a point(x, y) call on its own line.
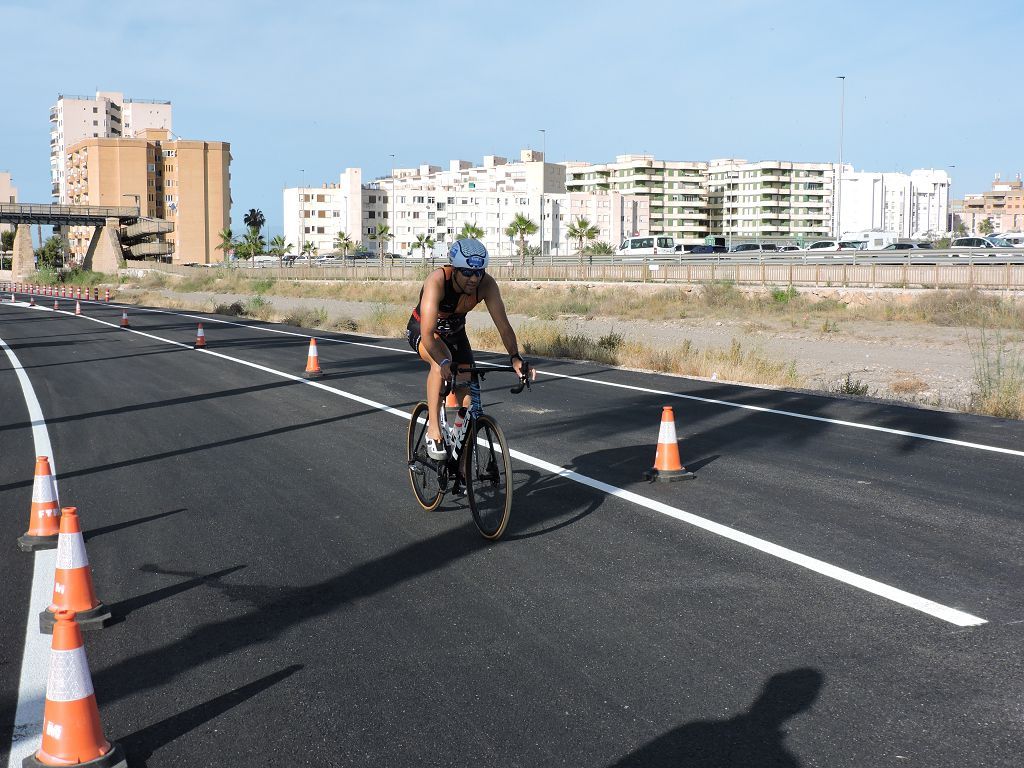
point(910, 205)
point(318, 214)
point(108, 115)
point(8, 194)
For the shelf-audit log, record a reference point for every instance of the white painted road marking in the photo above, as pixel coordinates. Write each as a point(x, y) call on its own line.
point(916, 602)
point(601, 382)
point(28, 717)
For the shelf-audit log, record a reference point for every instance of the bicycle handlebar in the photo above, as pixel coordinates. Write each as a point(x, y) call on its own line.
point(524, 380)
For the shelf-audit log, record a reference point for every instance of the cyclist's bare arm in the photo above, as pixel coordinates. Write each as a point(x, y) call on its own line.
point(496, 307)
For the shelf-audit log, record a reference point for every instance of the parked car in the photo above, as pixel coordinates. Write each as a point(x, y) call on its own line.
point(907, 246)
point(853, 245)
point(824, 246)
point(649, 245)
point(746, 248)
point(971, 242)
point(699, 250)
point(788, 248)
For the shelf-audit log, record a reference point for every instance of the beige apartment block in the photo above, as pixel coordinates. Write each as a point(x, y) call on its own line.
point(107, 115)
point(186, 182)
point(770, 200)
point(616, 215)
point(676, 191)
point(1003, 205)
point(8, 194)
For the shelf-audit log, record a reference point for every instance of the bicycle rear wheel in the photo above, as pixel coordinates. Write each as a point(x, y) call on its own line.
point(422, 469)
point(488, 469)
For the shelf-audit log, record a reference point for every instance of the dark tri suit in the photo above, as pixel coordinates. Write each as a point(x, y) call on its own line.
point(451, 321)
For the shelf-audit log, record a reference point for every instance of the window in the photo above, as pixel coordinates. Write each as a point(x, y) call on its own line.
point(416, 199)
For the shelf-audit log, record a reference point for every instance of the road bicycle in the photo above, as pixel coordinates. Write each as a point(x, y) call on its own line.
point(476, 459)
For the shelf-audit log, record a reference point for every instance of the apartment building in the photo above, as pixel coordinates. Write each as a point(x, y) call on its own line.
point(8, 194)
point(318, 214)
point(108, 115)
point(436, 202)
point(185, 182)
point(673, 194)
point(770, 200)
point(616, 215)
point(913, 205)
point(1003, 205)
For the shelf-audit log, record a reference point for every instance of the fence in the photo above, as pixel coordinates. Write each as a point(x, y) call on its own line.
point(951, 273)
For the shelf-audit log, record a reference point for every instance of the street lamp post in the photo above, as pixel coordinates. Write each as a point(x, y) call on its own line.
point(949, 201)
point(302, 211)
point(393, 212)
point(543, 167)
point(839, 182)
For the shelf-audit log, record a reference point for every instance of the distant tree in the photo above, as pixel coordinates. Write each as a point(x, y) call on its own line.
point(521, 227)
point(7, 240)
point(583, 232)
point(255, 219)
point(382, 235)
point(470, 230)
point(310, 249)
point(343, 243)
point(985, 227)
point(941, 243)
point(51, 254)
point(599, 248)
point(279, 248)
point(227, 243)
point(960, 229)
point(251, 246)
point(423, 242)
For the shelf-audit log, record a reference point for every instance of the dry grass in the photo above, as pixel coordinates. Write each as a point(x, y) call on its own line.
point(998, 377)
point(908, 385)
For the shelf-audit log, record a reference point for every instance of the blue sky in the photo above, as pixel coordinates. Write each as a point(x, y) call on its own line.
point(323, 86)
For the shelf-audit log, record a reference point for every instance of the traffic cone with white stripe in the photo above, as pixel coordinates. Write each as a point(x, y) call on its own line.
point(55, 305)
point(78, 307)
point(451, 401)
point(667, 466)
point(313, 362)
point(124, 319)
point(200, 338)
point(32, 301)
point(72, 580)
point(72, 732)
point(44, 523)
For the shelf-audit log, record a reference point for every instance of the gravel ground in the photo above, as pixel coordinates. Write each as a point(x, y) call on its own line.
point(919, 363)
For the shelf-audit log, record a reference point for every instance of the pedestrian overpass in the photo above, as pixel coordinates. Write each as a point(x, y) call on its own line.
point(117, 230)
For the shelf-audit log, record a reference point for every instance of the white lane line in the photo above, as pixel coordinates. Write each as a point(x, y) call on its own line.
point(647, 390)
point(924, 605)
point(28, 717)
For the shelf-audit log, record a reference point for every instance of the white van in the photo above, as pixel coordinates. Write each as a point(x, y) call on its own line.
point(648, 245)
point(1016, 239)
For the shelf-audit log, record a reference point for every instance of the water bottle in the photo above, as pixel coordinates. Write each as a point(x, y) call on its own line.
point(459, 428)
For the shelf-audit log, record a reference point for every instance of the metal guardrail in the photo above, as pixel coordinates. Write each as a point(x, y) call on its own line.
point(965, 274)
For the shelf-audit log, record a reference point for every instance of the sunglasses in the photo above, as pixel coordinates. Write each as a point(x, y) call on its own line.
point(467, 272)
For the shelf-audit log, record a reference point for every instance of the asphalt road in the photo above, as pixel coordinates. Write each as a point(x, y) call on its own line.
point(286, 602)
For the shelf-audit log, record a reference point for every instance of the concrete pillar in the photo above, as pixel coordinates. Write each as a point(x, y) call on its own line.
point(105, 254)
point(24, 263)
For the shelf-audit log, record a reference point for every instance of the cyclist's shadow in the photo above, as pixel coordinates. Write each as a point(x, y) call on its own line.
point(543, 503)
point(754, 738)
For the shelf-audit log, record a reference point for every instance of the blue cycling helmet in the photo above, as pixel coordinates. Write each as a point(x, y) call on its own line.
point(468, 253)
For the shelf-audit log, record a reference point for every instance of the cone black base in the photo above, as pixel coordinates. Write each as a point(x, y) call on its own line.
point(28, 543)
point(668, 475)
point(312, 374)
point(94, 618)
point(115, 758)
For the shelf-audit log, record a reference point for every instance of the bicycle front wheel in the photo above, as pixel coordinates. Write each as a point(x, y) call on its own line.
point(422, 469)
point(488, 472)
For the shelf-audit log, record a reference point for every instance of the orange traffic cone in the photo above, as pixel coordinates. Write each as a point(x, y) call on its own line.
point(451, 401)
point(667, 467)
point(124, 319)
point(55, 305)
point(72, 580)
point(32, 301)
point(44, 523)
point(72, 732)
point(200, 338)
point(78, 307)
point(313, 362)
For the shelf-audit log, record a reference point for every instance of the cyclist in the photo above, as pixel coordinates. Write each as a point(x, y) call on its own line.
point(437, 329)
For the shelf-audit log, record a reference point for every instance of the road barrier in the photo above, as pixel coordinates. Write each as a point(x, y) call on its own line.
point(72, 580)
point(44, 517)
point(667, 466)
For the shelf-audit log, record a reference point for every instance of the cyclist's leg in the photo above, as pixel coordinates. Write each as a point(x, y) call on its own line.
point(433, 389)
point(462, 361)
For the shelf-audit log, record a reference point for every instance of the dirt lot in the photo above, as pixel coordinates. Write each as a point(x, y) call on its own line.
point(914, 362)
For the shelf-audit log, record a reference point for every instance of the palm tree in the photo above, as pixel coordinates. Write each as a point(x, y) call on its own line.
point(423, 242)
point(279, 248)
point(582, 231)
point(227, 243)
point(470, 231)
point(343, 243)
point(382, 235)
point(599, 247)
point(255, 219)
point(252, 244)
point(521, 227)
point(309, 248)
point(985, 227)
